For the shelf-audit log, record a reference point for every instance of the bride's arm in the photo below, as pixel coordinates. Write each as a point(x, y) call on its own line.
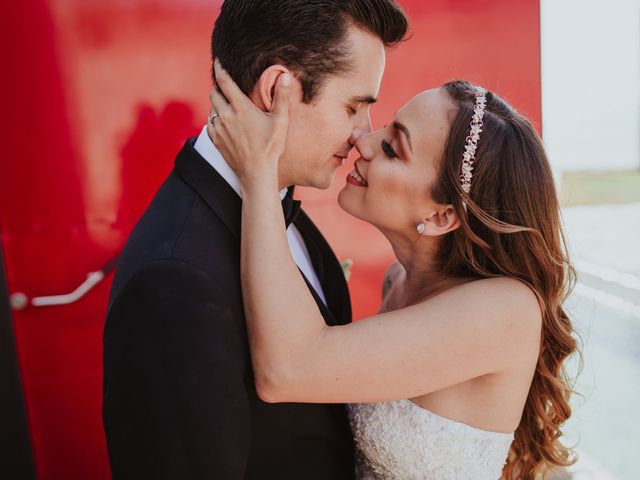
point(461, 334)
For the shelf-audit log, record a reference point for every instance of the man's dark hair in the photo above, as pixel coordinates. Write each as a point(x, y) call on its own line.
point(306, 36)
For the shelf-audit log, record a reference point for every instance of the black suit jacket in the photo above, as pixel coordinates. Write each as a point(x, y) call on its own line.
point(179, 395)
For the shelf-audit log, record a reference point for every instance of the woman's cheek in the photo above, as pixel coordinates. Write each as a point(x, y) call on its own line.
point(394, 183)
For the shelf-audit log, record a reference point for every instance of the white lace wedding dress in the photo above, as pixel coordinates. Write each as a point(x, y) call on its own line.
point(399, 440)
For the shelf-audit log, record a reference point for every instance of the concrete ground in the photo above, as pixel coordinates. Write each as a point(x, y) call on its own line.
point(604, 242)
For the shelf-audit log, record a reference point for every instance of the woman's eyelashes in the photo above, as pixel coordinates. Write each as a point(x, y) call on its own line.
point(388, 149)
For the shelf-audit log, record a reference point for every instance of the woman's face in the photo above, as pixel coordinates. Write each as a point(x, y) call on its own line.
point(398, 165)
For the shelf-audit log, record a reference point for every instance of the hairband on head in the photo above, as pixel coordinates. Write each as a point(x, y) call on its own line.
point(472, 139)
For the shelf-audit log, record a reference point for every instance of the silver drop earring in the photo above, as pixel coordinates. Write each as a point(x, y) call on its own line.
point(420, 228)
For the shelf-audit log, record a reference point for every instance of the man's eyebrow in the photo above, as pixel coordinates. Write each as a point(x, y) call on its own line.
point(402, 128)
point(363, 99)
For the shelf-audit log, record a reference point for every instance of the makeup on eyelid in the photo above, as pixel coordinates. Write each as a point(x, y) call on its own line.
point(388, 150)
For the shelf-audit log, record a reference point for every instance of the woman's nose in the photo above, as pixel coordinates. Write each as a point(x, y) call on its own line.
point(364, 146)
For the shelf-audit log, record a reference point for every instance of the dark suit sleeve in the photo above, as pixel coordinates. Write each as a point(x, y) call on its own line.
point(175, 398)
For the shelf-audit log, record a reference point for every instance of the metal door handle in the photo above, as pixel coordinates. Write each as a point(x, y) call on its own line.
point(20, 301)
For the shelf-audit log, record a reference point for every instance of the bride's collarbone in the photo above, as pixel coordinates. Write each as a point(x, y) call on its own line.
point(391, 302)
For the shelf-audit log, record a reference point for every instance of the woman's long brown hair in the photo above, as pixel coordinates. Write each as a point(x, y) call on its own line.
point(510, 226)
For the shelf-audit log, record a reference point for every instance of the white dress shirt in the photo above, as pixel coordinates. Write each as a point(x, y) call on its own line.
point(205, 147)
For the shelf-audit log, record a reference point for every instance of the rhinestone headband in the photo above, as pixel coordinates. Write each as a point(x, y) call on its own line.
point(472, 140)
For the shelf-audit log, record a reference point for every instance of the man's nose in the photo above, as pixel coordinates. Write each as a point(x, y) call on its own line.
point(362, 128)
point(363, 146)
point(356, 135)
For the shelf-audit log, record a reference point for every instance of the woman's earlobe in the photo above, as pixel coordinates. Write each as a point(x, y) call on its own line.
point(441, 222)
point(430, 226)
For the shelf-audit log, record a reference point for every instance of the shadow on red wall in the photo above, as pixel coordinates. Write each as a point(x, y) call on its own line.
point(148, 155)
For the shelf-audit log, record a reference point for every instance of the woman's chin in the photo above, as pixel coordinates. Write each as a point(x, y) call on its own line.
point(347, 204)
point(341, 199)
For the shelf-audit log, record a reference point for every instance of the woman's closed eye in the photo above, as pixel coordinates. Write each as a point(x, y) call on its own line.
point(388, 149)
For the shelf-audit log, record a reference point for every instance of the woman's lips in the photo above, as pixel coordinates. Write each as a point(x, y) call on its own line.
point(354, 178)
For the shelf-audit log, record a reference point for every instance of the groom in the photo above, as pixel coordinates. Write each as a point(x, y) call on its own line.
point(179, 394)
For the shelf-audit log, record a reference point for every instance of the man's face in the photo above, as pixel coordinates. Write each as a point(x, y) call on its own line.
point(321, 133)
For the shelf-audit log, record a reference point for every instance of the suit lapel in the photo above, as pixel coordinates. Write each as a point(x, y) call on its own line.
point(210, 186)
point(328, 269)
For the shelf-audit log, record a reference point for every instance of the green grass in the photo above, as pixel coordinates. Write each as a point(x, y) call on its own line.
point(594, 188)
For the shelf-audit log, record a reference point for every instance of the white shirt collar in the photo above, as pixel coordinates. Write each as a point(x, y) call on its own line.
point(205, 147)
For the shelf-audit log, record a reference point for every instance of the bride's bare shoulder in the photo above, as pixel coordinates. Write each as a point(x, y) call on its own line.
point(508, 291)
point(498, 301)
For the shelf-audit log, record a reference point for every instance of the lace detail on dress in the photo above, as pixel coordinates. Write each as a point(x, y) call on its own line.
point(401, 440)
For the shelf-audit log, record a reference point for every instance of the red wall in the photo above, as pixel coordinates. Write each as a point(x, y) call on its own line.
point(100, 97)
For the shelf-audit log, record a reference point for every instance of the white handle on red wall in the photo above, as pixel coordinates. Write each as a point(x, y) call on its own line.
point(20, 301)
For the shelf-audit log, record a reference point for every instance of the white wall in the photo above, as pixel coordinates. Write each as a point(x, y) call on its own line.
point(591, 83)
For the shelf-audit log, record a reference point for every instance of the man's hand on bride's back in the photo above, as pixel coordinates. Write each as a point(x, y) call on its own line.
point(250, 140)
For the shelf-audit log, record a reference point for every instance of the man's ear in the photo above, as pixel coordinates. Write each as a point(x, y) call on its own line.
point(442, 220)
point(262, 94)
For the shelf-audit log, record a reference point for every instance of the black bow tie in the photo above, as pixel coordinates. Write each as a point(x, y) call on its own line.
point(290, 207)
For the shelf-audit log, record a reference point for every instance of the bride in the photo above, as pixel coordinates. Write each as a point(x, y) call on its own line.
point(460, 374)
